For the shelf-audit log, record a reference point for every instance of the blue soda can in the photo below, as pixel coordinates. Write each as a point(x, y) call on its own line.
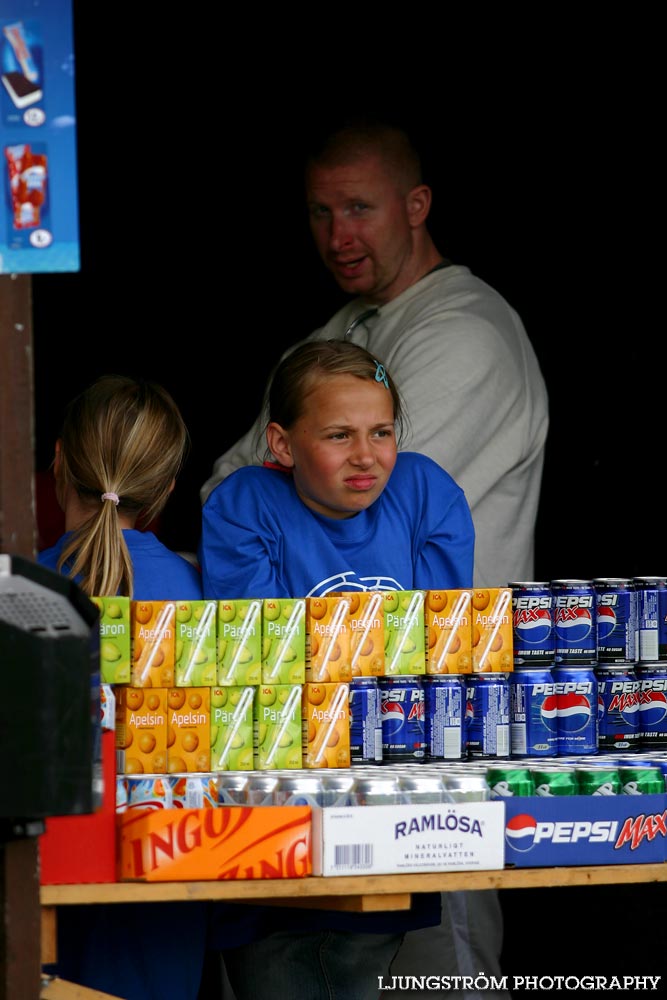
point(618, 708)
point(616, 619)
point(651, 618)
point(576, 692)
point(444, 709)
point(402, 712)
point(652, 706)
point(574, 622)
point(365, 721)
point(533, 713)
point(488, 731)
point(532, 623)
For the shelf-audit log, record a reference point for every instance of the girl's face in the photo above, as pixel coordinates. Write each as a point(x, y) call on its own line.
point(342, 449)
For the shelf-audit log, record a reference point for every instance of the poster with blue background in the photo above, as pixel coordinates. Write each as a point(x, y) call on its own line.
point(39, 226)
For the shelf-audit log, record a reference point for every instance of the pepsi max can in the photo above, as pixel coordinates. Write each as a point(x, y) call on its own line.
point(365, 721)
point(402, 715)
point(488, 728)
point(533, 714)
point(651, 618)
point(618, 709)
point(652, 706)
point(615, 619)
point(576, 690)
point(574, 621)
point(444, 707)
point(532, 623)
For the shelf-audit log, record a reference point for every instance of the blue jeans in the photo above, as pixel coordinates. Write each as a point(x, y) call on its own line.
point(323, 965)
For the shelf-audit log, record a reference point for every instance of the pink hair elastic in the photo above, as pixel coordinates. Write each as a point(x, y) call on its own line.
point(111, 496)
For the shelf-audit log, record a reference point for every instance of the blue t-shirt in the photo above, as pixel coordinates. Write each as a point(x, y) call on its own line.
point(259, 539)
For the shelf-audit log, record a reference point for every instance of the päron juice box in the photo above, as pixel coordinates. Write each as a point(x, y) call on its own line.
point(283, 641)
point(277, 729)
point(232, 728)
point(404, 632)
point(115, 635)
point(195, 649)
point(239, 642)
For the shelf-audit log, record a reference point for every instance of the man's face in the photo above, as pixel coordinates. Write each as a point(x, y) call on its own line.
point(361, 226)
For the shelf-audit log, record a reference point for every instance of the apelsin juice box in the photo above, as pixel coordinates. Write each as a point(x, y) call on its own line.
point(325, 725)
point(196, 648)
point(115, 639)
point(232, 728)
point(153, 643)
point(141, 730)
point(239, 642)
point(448, 628)
point(404, 632)
point(328, 636)
point(283, 641)
point(188, 729)
point(277, 727)
point(492, 635)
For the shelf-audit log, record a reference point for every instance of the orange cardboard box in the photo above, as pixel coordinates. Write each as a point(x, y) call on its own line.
point(188, 729)
point(325, 718)
point(366, 618)
point(492, 635)
point(448, 631)
point(153, 643)
point(141, 730)
point(328, 635)
point(229, 842)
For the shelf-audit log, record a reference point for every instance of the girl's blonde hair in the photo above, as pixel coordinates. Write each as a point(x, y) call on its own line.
point(125, 438)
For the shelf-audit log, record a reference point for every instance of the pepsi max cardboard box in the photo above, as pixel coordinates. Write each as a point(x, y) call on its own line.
point(585, 830)
point(408, 839)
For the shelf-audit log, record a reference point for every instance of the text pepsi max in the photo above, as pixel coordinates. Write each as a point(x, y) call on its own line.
point(616, 619)
point(574, 621)
point(533, 714)
point(652, 706)
point(488, 715)
point(618, 708)
point(576, 691)
point(651, 618)
point(444, 707)
point(532, 623)
point(402, 713)
point(365, 721)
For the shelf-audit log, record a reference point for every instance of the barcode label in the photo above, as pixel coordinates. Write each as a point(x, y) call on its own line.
point(353, 855)
point(503, 741)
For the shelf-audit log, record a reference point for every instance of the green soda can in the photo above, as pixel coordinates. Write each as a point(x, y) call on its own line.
point(598, 780)
point(555, 781)
point(509, 780)
point(641, 780)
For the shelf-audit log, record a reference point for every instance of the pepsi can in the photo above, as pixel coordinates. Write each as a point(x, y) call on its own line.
point(533, 714)
point(615, 619)
point(651, 618)
point(652, 706)
point(488, 729)
point(402, 714)
point(444, 707)
point(576, 690)
point(532, 623)
point(618, 708)
point(365, 721)
point(574, 623)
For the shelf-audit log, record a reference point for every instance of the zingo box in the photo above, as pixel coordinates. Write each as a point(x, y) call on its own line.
point(585, 830)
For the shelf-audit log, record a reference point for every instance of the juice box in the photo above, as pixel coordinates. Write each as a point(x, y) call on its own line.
point(492, 637)
point(404, 632)
point(326, 725)
point(188, 729)
point(195, 649)
point(232, 728)
point(328, 639)
point(153, 643)
point(283, 641)
point(141, 730)
point(115, 644)
point(277, 727)
point(448, 628)
point(239, 642)
point(366, 618)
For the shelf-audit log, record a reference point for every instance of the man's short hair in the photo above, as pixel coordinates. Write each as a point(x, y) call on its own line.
point(353, 139)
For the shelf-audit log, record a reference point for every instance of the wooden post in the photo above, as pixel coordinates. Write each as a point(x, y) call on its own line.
point(20, 971)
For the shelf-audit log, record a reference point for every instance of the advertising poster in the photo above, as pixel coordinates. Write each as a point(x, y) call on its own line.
point(39, 229)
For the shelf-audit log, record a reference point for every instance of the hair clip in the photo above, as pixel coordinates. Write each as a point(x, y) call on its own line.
point(381, 374)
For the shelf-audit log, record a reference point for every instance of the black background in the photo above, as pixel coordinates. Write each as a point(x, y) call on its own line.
point(198, 269)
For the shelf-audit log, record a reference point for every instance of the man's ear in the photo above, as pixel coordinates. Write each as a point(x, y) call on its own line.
point(279, 445)
point(419, 204)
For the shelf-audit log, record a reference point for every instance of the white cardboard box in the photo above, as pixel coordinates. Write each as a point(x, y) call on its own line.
point(389, 840)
